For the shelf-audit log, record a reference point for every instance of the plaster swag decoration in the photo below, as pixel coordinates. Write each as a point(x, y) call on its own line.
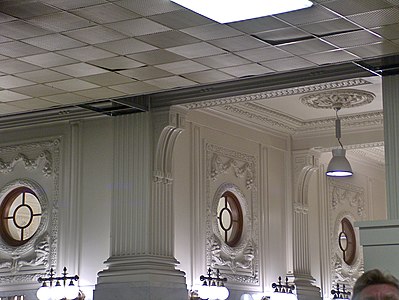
point(347, 194)
point(40, 162)
point(240, 264)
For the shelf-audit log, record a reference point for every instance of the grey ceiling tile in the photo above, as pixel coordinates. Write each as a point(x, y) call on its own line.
point(171, 82)
point(149, 7)
point(145, 73)
point(155, 57)
point(7, 96)
point(389, 32)
point(43, 75)
point(289, 63)
point(259, 25)
point(105, 13)
point(73, 4)
point(47, 60)
point(168, 39)
point(67, 99)
point(33, 104)
point(135, 88)
point(307, 47)
point(180, 19)
point(4, 39)
point(23, 10)
point(126, 46)
point(53, 42)
point(100, 93)
point(182, 67)
point(79, 70)
point(7, 108)
point(238, 43)
point(13, 66)
point(351, 39)
point(246, 70)
point(222, 61)
point(212, 31)
point(108, 79)
point(315, 13)
point(282, 36)
point(95, 35)
point(6, 18)
point(196, 50)
point(18, 49)
point(37, 90)
point(374, 50)
point(330, 27)
point(376, 18)
point(71, 85)
point(329, 57)
point(137, 27)
point(263, 54)
point(21, 30)
point(208, 76)
point(9, 82)
point(117, 63)
point(59, 22)
point(352, 7)
point(87, 53)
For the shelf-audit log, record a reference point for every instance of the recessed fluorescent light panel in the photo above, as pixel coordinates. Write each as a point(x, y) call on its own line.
point(225, 11)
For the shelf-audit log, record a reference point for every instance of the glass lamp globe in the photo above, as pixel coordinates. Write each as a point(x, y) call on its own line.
point(58, 292)
point(44, 292)
point(283, 296)
point(204, 292)
point(71, 291)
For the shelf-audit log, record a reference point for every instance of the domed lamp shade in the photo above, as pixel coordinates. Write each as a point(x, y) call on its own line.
point(339, 166)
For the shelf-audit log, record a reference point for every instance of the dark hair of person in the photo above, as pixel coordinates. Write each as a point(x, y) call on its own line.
point(372, 277)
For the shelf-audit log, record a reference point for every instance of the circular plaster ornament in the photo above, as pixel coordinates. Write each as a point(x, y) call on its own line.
point(344, 98)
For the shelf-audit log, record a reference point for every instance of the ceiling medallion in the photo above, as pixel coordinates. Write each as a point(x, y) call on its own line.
point(343, 98)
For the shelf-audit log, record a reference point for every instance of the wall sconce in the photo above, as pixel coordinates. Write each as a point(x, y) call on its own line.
point(339, 166)
point(213, 287)
point(340, 294)
point(283, 291)
point(56, 288)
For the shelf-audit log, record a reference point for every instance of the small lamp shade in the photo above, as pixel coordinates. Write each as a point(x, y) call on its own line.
point(339, 166)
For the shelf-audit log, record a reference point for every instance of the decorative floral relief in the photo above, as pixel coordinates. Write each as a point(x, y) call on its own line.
point(29, 164)
point(350, 194)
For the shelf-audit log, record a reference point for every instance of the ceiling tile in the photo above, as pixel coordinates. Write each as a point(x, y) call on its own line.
point(20, 30)
point(9, 82)
point(238, 43)
point(168, 39)
point(196, 50)
point(171, 82)
point(18, 49)
point(352, 7)
point(208, 76)
point(374, 50)
point(329, 27)
point(135, 88)
point(22, 9)
point(47, 60)
point(117, 63)
point(222, 61)
point(67, 99)
point(87, 53)
point(288, 64)
point(315, 13)
point(246, 70)
point(156, 57)
point(329, 57)
point(100, 93)
point(71, 85)
point(259, 24)
point(212, 31)
point(73, 4)
point(137, 27)
point(43, 75)
point(33, 104)
point(351, 39)
point(53, 42)
point(145, 73)
point(390, 32)
point(149, 7)
point(180, 19)
point(108, 79)
point(307, 47)
point(282, 36)
point(95, 35)
point(106, 13)
point(6, 96)
point(126, 46)
point(182, 67)
point(37, 90)
point(59, 22)
point(6, 18)
point(263, 54)
point(13, 66)
point(4, 39)
point(376, 18)
point(8, 109)
point(79, 70)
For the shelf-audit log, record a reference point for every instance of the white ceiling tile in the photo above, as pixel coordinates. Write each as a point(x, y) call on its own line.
point(329, 57)
point(376, 18)
point(53, 42)
point(238, 43)
point(315, 13)
point(117, 63)
point(95, 35)
point(2, 57)
point(263, 54)
point(108, 79)
point(246, 70)
point(4, 39)
point(67, 99)
point(43, 75)
point(13, 66)
point(390, 32)
point(156, 57)
point(18, 49)
point(37, 90)
point(168, 39)
point(137, 27)
point(100, 93)
point(59, 22)
point(33, 104)
point(71, 85)
point(149, 7)
point(145, 73)
point(6, 96)
point(6, 18)
point(285, 35)
point(209, 76)
point(79, 70)
point(21, 30)
point(287, 64)
point(47, 60)
point(126, 46)
point(307, 47)
point(212, 31)
point(87, 53)
point(222, 61)
point(335, 26)
point(352, 7)
point(9, 82)
point(25, 9)
point(182, 67)
point(135, 88)
point(105, 13)
point(180, 19)
point(377, 49)
point(259, 24)
point(196, 50)
point(73, 4)
point(352, 39)
point(6, 108)
point(171, 82)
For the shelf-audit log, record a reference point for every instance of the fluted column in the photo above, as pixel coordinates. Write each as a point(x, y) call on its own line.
point(141, 263)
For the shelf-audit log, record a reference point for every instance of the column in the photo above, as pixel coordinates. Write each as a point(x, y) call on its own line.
point(141, 264)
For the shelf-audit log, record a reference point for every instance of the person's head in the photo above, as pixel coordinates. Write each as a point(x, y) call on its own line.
point(375, 285)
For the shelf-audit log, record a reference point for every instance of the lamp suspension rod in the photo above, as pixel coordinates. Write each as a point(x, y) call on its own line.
point(338, 126)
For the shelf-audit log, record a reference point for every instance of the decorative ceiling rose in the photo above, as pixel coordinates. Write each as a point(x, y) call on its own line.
point(344, 98)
